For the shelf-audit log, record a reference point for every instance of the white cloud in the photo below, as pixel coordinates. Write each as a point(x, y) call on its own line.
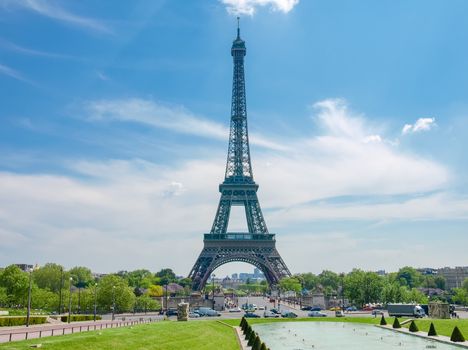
point(120, 208)
point(176, 118)
point(12, 73)
point(248, 7)
point(52, 10)
point(422, 124)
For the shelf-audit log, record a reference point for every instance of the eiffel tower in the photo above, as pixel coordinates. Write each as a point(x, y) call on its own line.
point(257, 246)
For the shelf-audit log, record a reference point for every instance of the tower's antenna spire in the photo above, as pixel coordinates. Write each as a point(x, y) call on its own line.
point(238, 27)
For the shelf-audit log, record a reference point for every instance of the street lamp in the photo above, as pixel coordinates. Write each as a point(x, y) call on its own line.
point(29, 298)
point(95, 300)
point(113, 302)
point(342, 275)
point(212, 290)
point(167, 306)
point(70, 300)
point(60, 292)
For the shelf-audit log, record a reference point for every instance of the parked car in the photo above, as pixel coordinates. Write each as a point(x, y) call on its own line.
point(267, 314)
point(339, 313)
point(261, 307)
point(288, 314)
point(206, 311)
point(306, 308)
point(368, 308)
point(316, 308)
point(235, 309)
point(335, 308)
point(193, 314)
point(275, 311)
point(171, 312)
point(351, 308)
point(251, 315)
point(317, 314)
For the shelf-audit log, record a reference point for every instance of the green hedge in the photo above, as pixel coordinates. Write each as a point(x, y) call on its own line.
point(79, 318)
point(21, 320)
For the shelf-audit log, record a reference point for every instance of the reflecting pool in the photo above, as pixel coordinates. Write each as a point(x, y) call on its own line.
point(339, 336)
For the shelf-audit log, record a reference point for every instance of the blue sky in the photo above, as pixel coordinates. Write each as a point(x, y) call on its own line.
point(114, 120)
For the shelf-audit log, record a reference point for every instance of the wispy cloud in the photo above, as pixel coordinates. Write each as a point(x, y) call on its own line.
point(7, 45)
point(176, 118)
point(422, 124)
point(53, 10)
point(12, 73)
point(248, 7)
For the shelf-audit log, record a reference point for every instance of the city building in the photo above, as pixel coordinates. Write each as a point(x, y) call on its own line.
point(454, 276)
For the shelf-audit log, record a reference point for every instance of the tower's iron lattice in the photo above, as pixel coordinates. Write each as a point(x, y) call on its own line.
point(257, 247)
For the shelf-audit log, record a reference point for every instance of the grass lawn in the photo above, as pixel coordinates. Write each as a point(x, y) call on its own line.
point(443, 327)
point(171, 335)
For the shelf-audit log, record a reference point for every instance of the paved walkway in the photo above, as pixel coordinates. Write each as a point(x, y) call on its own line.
point(241, 338)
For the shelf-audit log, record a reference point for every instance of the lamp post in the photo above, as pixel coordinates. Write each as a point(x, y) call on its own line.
point(29, 298)
point(212, 290)
point(167, 306)
point(70, 300)
point(95, 301)
point(60, 291)
point(342, 275)
point(113, 303)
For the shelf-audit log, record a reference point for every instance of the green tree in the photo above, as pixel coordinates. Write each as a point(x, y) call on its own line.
point(460, 296)
point(3, 296)
point(310, 280)
point(155, 291)
point(166, 276)
point(16, 284)
point(113, 287)
point(82, 276)
point(363, 287)
point(141, 278)
point(410, 277)
point(49, 277)
point(329, 279)
point(441, 282)
point(44, 299)
point(145, 303)
point(465, 284)
point(290, 284)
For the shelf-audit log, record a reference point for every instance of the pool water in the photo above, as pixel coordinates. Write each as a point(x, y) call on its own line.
point(339, 336)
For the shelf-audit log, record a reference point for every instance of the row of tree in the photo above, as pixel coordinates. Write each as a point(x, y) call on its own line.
point(364, 287)
point(51, 285)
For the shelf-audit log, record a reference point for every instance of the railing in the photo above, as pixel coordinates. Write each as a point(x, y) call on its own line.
point(240, 236)
point(45, 330)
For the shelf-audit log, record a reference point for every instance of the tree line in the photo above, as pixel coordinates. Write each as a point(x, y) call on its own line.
point(365, 287)
point(55, 289)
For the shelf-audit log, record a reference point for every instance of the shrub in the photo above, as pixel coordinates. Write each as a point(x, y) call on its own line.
point(396, 323)
point(432, 331)
point(257, 343)
point(263, 347)
point(242, 322)
point(21, 320)
point(457, 336)
point(413, 328)
point(248, 332)
point(251, 338)
point(79, 318)
point(383, 321)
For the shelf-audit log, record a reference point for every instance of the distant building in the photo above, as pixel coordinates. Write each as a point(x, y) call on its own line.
point(256, 276)
point(454, 276)
point(381, 272)
point(235, 276)
point(427, 271)
point(25, 267)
